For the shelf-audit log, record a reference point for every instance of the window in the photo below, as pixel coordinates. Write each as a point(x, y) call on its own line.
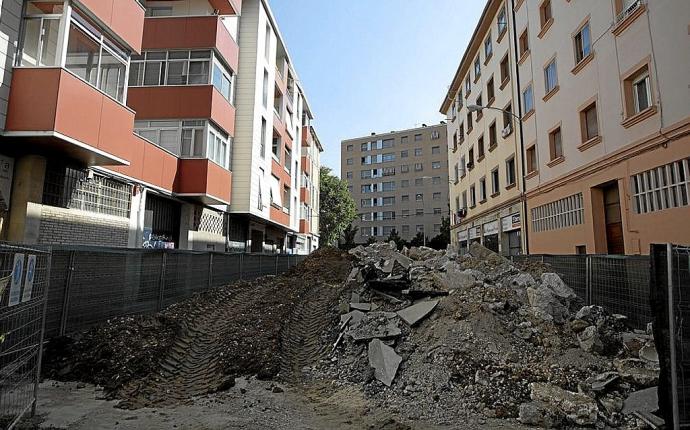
point(404, 168)
point(222, 81)
point(505, 71)
point(406, 229)
point(437, 211)
point(350, 148)
point(387, 143)
point(455, 141)
point(436, 180)
point(420, 228)
point(419, 182)
point(477, 69)
point(159, 11)
point(265, 90)
point(218, 146)
point(524, 43)
point(436, 196)
point(349, 160)
point(463, 166)
point(528, 99)
point(470, 156)
point(436, 165)
point(155, 68)
point(531, 159)
point(435, 135)
point(493, 138)
point(457, 173)
point(661, 188)
point(488, 48)
point(480, 112)
point(510, 171)
point(404, 183)
point(417, 137)
point(502, 22)
point(468, 85)
point(461, 133)
point(419, 197)
point(388, 201)
point(368, 188)
point(404, 154)
point(583, 44)
point(404, 140)
point(473, 196)
point(562, 213)
point(480, 148)
point(545, 13)
point(469, 122)
point(418, 167)
point(638, 94)
point(349, 175)
point(388, 171)
point(507, 117)
point(405, 213)
point(464, 200)
point(435, 149)
point(482, 189)
point(495, 182)
point(550, 76)
point(555, 144)
point(490, 91)
point(388, 186)
point(419, 212)
point(388, 157)
point(406, 198)
point(365, 174)
point(589, 122)
point(418, 152)
point(267, 42)
point(262, 149)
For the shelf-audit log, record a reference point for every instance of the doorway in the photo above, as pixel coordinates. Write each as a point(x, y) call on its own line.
point(257, 238)
point(614, 222)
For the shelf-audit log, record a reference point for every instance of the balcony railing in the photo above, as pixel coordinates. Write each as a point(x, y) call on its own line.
point(629, 10)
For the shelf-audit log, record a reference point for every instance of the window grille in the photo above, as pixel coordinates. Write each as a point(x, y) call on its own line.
point(562, 213)
point(663, 187)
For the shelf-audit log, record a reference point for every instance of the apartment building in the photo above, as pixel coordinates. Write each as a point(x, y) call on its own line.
point(484, 147)
point(308, 237)
point(121, 126)
point(604, 88)
point(399, 181)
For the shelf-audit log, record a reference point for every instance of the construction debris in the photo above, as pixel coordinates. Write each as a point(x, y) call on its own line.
point(485, 337)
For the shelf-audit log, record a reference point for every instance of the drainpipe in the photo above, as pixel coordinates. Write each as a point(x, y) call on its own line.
point(525, 229)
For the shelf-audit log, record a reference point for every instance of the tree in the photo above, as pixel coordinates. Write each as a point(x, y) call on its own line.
point(395, 237)
point(338, 209)
point(443, 239)
point(418, 240)
point(349, 235)
point(371, 241)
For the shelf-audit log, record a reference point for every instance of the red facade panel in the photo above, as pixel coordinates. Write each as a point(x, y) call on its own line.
point(124, 17)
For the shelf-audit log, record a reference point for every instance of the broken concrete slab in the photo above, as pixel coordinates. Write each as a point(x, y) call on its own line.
point(578, 408)
point(387, 296)
point(351, 318)
point(648, 353)
point(646, 400)
point(384, 361)
point(603, 381)
point(415, 313)
point(638, 372)
point(376, 325)
point(366, 307)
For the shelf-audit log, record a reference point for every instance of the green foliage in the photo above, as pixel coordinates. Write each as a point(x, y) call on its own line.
point(338, 209)
point(371, 241)
point(395, 237)
point(443, 239)
point(418, 240)
point(349, 235)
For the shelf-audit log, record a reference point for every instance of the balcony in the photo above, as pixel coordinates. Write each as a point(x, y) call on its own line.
point(306, 165)
point(304, 226)
point(55, 112)
point(183, 102)
point(125, 18)
point(227, 7)
point(191, 32)
point(204, 181)
point(307, 138)
point(149, 163)
point(304, 195)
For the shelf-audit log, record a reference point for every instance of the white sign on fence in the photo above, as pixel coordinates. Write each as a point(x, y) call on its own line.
point(30, 275)
point(16, 283)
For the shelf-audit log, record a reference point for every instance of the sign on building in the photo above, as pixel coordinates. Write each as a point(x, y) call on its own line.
point(511, 222)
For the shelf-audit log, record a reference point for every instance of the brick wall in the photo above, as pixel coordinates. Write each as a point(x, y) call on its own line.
point(74, 227)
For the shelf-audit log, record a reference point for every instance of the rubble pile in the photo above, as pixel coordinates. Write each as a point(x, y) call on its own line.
point(441, 337)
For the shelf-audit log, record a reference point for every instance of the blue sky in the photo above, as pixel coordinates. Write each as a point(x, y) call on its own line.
point(374, 65)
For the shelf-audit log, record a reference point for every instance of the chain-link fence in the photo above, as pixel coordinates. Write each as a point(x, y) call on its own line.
point(24, 275)
point(89, 285)
point(671, 304)
point(619, 283)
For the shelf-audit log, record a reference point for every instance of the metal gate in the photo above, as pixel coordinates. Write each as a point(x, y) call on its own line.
point(24, 275)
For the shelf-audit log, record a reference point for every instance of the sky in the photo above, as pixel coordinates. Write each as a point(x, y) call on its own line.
point(374, 65)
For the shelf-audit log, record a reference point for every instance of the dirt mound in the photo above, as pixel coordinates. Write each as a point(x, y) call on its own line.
point(196, 346)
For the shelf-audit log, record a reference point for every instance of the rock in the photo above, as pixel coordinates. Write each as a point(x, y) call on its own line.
point(635, 371)
point(578, 408)
point(577, 326)
point(351, 318)
point(648, 353)
point(612, 403)
point(554, 283)
point(603, 381)
point(523, 280)
point(455, 278)
point(415, 313)
point(540, 414)
point(590, 341)
point(384, 361)
point(375, 325)
point(482, 253)
point(277, 389)
point(646, 400)
point(546, 305)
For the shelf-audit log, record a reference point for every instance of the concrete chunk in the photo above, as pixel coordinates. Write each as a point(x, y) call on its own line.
point(351, 318)
point(384, 361)
point(415, 313)
point(375, 325)
point(366, 307)
point(642, 401)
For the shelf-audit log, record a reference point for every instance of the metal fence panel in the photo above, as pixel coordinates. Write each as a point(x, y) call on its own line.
point(185, 274)
point(22, 313)
point(251, 266)
point(226, 268)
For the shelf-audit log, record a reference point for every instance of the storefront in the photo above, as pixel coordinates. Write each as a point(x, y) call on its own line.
point(462, 241)
point(490, 238)
point(475, 234)
point(511, 226)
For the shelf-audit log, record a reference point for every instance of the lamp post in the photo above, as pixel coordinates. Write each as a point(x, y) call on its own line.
point(477, 108)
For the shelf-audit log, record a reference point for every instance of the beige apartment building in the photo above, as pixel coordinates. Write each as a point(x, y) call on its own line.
point(484, 149)
point(399, 181)
point(605, 90)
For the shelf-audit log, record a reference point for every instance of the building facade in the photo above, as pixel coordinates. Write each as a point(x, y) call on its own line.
point(399, 181)
point(120, 125)
point(308, 238)
point(484, 146)
point(606, 119)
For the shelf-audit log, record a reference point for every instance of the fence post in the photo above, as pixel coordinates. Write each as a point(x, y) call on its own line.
point(161, 283)
point(65, 300)
point(39, 362)
point(588, 280)
point(277, 259)
point(672, 337)
point(210, 270)
point(241, 266)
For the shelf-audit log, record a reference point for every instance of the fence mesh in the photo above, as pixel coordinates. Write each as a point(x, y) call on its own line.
point(91, 285)
point(24, 275)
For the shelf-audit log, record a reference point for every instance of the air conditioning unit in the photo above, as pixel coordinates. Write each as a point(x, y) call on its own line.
point(506, 131)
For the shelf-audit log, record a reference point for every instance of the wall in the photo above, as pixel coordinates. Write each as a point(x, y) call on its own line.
point(10, 13)
point(75, 227)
